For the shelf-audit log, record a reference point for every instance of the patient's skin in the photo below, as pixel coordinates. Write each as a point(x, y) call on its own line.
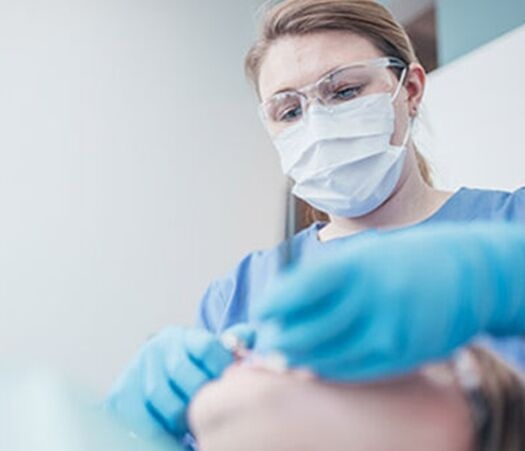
point(255, 410)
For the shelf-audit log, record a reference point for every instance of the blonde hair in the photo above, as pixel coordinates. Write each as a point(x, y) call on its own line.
point(363, 17)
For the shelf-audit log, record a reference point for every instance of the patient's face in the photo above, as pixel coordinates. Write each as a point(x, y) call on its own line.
point(255, 410)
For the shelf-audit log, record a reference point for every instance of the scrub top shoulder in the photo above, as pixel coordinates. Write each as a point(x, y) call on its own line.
point(230, 299)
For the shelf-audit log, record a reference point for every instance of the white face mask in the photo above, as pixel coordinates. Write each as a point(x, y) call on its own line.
point(341, 158)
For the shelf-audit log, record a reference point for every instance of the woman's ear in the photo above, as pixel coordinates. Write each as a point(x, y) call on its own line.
point(415, 86)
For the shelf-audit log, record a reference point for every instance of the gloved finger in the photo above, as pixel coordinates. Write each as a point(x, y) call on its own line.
point(207, 353)
point(170, 416)
point(314, 329)
point(164, 402)
point(360, 343)
point(244, 332)
point(391, 330)
point(369, 369)
point(367, 349)
point(126, 402)
point(185, 377)
point(374, 368)
point(302, 289)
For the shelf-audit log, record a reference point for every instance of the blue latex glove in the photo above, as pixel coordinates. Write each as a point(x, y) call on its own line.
point(385, 305)
point(152, 396)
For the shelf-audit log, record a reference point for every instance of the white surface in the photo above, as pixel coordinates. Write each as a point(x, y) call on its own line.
point(133, 170)
point(476, 110)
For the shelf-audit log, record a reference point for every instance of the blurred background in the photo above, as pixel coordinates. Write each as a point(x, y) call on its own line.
point(134, 169)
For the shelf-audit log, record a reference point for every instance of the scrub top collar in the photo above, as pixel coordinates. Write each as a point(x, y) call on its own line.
point(312, 232)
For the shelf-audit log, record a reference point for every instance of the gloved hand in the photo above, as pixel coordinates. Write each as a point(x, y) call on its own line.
point(385, 305)
point(152, 396)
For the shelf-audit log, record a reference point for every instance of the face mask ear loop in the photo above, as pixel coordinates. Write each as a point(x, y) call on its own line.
point(396, 93)
point(407, 134)
point(400, 84)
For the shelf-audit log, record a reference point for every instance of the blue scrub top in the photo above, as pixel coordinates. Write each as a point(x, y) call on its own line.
point(229, 300)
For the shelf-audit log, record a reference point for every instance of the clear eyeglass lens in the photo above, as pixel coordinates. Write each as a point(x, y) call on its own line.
point(345, 85)
point(285, 107)
point(342, 86)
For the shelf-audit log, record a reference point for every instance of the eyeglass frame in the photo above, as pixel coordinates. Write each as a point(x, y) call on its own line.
point(305, 92)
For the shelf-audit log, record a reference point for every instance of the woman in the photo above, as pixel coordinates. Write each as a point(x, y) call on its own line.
point(340, 87)
point(475, 402)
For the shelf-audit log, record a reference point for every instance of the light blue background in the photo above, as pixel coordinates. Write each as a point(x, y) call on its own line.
point(465, 25)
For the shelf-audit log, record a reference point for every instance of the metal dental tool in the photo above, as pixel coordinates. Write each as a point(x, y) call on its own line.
point(275, 361)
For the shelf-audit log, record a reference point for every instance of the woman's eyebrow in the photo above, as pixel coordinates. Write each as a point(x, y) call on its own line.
point(283, 90)
point(320, 77)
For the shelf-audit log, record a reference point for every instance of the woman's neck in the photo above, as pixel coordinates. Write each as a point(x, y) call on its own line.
point(412, 201)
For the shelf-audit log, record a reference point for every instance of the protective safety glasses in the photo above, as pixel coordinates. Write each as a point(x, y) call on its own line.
point(341, 85)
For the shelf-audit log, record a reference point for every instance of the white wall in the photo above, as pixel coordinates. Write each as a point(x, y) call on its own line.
point(475, 107)
point(133, 170)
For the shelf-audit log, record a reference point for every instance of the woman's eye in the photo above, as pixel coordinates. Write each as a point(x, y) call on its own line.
point(291, 114)
point(346, 93)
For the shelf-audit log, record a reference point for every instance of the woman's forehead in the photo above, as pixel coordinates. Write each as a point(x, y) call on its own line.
point(296, 61)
